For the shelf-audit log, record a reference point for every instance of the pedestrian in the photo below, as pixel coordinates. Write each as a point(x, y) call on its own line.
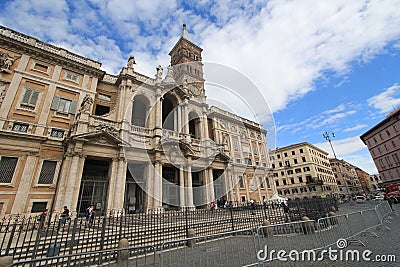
point(42, 219)
point(64, 217)
point(213, 204)
point(89, 215)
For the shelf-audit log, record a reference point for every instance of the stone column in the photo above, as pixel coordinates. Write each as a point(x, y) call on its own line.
point(158, 185)
point(119, 193)
point(149, 186)
point(179, 119)
point(204, 127)
point(247, 185)
point(111, 184)
point(189, 196)
point(210, 184)
point(78, 179)
point(182, 186)
point(25, 183)
point(185, 118)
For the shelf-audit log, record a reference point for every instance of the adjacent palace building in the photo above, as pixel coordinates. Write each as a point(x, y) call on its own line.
point(72, 134)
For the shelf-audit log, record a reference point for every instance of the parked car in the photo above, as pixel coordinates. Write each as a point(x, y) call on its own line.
point(379, 197)
point(360, 199)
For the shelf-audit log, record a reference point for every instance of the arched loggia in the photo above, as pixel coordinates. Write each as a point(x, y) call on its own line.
point(140, 109)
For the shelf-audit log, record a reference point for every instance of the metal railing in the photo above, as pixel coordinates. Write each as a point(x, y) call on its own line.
point(26, 238)
point(234, 248)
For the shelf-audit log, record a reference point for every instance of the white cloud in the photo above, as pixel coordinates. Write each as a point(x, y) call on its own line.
point(386, 101)
point(355, 128)
point(282, 45)
point(352, 150)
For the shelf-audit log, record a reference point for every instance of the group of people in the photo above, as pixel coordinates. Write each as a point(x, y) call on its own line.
point(65, 216)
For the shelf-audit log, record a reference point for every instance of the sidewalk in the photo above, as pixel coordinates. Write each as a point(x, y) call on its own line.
point(385, 243)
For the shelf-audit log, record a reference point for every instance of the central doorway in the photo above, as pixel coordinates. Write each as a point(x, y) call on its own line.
point(94, 185)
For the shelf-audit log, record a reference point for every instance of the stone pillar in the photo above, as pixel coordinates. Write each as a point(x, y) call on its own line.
point(25, 183)
point(185, 118)
point(182, 187)
point(78, 179)
point(189, 196)
point(158, 114)
point(157, 185)
point(149, 186)
point(179, 119)
point(120, 185)
point(247, 185)
point(111, 184)
point(210, 184)
point(204, 127)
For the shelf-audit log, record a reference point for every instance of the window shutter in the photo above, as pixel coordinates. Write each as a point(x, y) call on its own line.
point(7, 167)
point(54, 104)
point(34, 98)
point(27, 95)
point(72, 107)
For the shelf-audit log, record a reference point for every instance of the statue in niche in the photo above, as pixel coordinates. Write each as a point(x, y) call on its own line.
point(86, 103)
point(131, 62)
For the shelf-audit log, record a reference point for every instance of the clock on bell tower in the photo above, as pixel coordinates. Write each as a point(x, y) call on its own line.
point(187, 62)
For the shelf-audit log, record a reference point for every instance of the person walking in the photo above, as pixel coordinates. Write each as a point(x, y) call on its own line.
point(42, 219)
point(63, 218)
point(89, 215)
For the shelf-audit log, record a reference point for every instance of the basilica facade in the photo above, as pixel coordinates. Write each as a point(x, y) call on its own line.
point(72, 134)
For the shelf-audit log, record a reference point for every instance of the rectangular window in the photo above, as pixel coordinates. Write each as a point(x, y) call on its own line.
point(241, 184)
point(292, 180)
point(278, 156)
point(293, 152)
point(303, 159)
point(261, 182)
point(41, 67)
point(57, 133)
point(395, 128)
point(30, 97)
point(71, 77)
point(393, 144)
point(63, 105)
point(7, 167)
point(290, 172)
point(298, 170)
point(20, 127)
point(306, 169)
point(285, 154)
point(38, 207)
point(295, 161)
point(277, 183)
point(238, 160)
point(301, 150)
point(300, 179)
point(236, 145)
point(47, 172)
point(268, 184)
point(396, 158)
point(284, 182)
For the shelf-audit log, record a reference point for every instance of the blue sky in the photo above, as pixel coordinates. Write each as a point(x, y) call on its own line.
point(321, 65)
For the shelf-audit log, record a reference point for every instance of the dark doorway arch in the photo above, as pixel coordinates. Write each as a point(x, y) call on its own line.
point(140, 107)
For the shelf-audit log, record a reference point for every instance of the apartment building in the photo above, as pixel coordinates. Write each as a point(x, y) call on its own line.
point(302, 171)
point(346, 177)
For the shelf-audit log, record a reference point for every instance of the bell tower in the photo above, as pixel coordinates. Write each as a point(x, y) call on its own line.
point(186, 59)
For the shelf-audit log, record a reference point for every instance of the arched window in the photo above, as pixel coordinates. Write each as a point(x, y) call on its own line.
point(194, 129)
point(168, 112)
point(139, 110)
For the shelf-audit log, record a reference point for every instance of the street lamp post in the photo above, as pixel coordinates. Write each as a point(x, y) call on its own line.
point(327, 137)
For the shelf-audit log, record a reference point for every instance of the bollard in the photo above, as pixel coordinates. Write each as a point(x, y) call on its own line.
point(333, 221)
point(6, 261)
point(267, 230)
point(191, 234)
point(308, 227)
point(123, 254)
point(332, 209)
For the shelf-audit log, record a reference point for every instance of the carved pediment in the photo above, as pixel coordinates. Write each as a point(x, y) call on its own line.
point(102, 135)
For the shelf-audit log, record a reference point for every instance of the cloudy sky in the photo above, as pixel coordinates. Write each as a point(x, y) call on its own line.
point(321, 65)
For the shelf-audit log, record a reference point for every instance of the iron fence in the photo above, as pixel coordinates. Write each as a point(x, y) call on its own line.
point(26, 238)
point(233, 248)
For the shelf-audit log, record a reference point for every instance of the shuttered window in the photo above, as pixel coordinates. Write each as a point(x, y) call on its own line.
point(63, 105)
point(7, 167)
point(30, 97)
point(47, 172)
